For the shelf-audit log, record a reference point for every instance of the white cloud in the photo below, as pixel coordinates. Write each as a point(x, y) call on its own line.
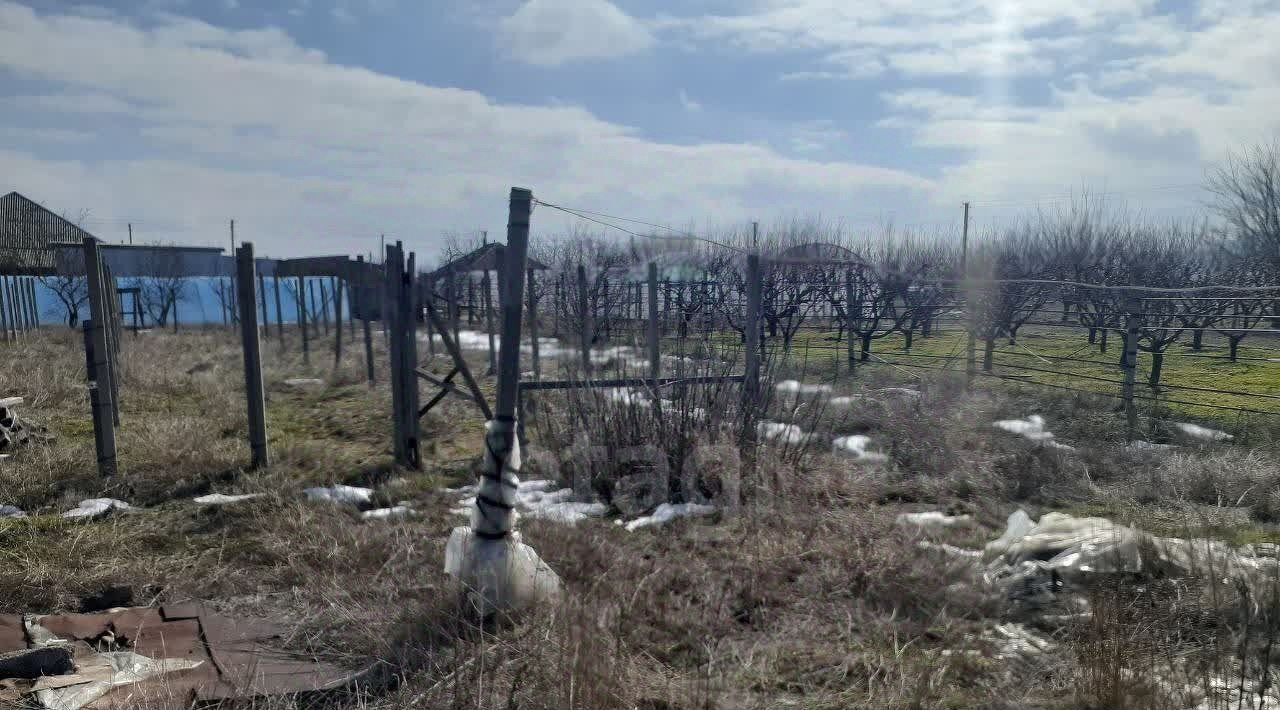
point(552, 32)
point(815, 136)
point(308, 155)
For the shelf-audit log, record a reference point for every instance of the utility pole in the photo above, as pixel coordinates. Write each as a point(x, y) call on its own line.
point(131, 234)
point(964, 243)
point(755, 237)
point(382, 248)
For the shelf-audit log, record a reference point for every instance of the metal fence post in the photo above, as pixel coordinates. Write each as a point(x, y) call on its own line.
point(250, 342)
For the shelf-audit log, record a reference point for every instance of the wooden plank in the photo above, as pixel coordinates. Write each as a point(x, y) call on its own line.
point(337, 323)
point(655, 358)
point(451, 346)
point(533, 324)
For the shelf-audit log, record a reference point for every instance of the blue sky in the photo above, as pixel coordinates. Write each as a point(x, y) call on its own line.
point(319, 124)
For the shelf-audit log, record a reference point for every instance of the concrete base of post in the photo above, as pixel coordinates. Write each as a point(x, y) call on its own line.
point(499, 572)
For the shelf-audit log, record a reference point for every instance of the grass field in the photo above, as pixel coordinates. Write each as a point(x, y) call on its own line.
point(808, 597)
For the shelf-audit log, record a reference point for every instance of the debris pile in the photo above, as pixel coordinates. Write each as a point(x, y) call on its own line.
point(175, 656)
point(13, 431)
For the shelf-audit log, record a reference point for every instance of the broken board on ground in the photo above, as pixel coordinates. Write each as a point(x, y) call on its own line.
point(184, 654)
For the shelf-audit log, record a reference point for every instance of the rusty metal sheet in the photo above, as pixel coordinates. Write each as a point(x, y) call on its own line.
point(12, 637)
point(237, 658)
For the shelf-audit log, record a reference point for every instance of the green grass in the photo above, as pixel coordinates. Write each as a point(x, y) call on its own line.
point(818, 353)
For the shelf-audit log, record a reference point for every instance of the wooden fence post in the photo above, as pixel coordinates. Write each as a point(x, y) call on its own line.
point(1133, 323)
point(325, 298)
point(255, 395)
point(651, 336)
point(495, 516)
point(850, 319)
point(337, 323)
point(584, 310)
point(262, 294)
point(751, 372)
point(302, 320)
point(275, 289)
point(487, 304)
point(366, 295)
point(99, 355)
point(533, 325)
point(401, 287)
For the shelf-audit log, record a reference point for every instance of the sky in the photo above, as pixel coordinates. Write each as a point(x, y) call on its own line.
point(320, 125)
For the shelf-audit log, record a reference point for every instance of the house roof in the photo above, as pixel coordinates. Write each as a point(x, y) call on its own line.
point(27, 230)
point(486, 258)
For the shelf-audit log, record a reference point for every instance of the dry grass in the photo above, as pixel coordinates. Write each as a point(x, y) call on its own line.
point(808, 596)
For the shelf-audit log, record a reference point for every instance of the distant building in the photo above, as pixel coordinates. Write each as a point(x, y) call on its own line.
point(27, 232)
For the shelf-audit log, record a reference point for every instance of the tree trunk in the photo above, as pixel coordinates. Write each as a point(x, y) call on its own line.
point(909, 335)
point(1233, 345)
point(927, 328)
point(1102, 344)
point(1093, 335)
point(988, 354)
point(866, 346)
point(1197, 339)
point(1157, 362)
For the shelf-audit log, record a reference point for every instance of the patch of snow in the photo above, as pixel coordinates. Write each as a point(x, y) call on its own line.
point(780, 433)
point(933, 518)
point(795, 388)
point(304, 382)
point(11, 511)
point(1196, 431)
point(398, 511)
point(851, 401)
point(670, 511)
point(623, 395)
point(1032, 429)
point(568, 511)
point(538, 499)
point(339, 494)
point(855, 447)
point(94, 507)
point(222, 499)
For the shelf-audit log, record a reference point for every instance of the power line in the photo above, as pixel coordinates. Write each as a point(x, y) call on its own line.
point(582, 214)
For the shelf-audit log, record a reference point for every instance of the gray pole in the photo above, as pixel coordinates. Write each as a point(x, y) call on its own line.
point(1133, 322)
point(365, 297)
point(533, 325)
point(751, 331)
point(302, 320)
point(655, 358)
point(487, 304)
point(100, 374)
point(337, 323)
point(584, 312)
point(964, 243)
point(275, 289)
point(515, 257)
point(262, 294)
point(255, 395)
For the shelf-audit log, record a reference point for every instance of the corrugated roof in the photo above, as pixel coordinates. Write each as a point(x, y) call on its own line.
point(27, 229)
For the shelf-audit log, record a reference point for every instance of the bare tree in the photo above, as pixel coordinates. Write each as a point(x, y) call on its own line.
point(1246, 189)
point(72, 293)
point(164, 287)
point(71, 289)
